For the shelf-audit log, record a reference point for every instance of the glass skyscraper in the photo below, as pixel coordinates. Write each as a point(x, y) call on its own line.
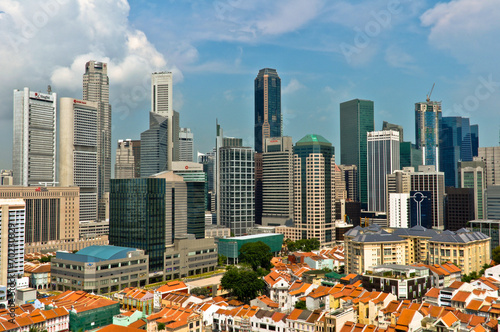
point(356, 120)
point(427, 119)
point(154, 146)
point(455, 144)
point(268, 122)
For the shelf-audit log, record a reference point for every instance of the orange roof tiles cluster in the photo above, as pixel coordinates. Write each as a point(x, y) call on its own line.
point(78, 300)
point(36, 268)
point(136, 293)
point(268, 302)
point(27, 316)
point(174, 317)
point(172, 286)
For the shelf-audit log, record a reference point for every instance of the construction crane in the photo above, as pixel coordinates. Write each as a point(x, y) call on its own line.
point(430, 93)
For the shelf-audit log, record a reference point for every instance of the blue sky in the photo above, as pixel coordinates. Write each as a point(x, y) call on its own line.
point(326, 52)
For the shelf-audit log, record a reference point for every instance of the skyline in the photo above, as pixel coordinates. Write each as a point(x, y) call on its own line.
point(215, 50)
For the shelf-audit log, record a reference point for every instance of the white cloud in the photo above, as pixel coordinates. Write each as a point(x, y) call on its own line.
point(292, 87)
point(398, 58)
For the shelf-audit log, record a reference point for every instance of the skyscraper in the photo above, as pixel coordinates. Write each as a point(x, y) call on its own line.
point(186, 140)
point(427, 120)
point(314, 204)
point(471, 175)
point(356, 120)
point(154, 155)
point(78, 156)
point(430, 184)
point(161, 104)
point(277, 181)
point(383, 159)
point(491, 158)
point(350, 177)
point(96, 89)
point(268, 121)
point(34, 141)
point(128, 159)
point(455, 144)
point(391, 126)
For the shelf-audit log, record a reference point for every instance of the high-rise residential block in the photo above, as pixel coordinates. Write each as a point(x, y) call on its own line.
point(313, 189)
point(96, 89)
point(277, 181)
point(459, 207)
point(128, 159)
point(427, 120)
point(162, 104)
point(383, 159)
point(186, 140)
point(455, 144)
point(34, 138)
point(356, 120)
point(236, 189)
point(78, 157)
point(427, 179)
point(268, 121)
point(148, 213)
point(471, 175)
point(491, 158)
point(12, 242)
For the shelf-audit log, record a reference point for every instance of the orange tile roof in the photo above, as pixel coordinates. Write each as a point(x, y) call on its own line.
point(172, 286)
point(294, 314)
point(406, 317)
point(461, 296)
point(138, 324)
point(449, 319)
point(456, 284)
point(267, 301)
point(474, 305)
point(118, 328)
point(433, 292)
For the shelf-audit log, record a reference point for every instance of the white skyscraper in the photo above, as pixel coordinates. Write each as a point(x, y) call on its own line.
point(78, 157)
point(186, 140)
point(12, 219)
point(398, 210)
point(161, 103)
point(383, 159)
point(34, 139)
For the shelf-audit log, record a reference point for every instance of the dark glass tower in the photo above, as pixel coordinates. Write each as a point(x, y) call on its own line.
point(427, 119)
point(154, 146)
point(268, 122)
point(356, 120)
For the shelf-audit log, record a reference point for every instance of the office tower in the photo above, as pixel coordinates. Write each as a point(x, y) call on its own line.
point(459, 207)
point(350, 177)
point(78, 156)
point(268, 122)
point(186, 140)
point(339, 185)
point(6, 178)
point(383, 159)
point(314, 204)
point(51, 213)
point(471, 175)
point(491, 158)
point(148, 213)
point(96, 89)
point(399, 182)
point(348, 211)
point(421, 208)
point(235, 193)
point(430, 183)
point(197, 188)
point(409, 155)
point(12, 242)
point(128, 159)
point(161, 104)
point(208, 162)
point(356, 120)
point(399, 208)
point(455, 144)
point(154, 156)
point(34, 138)
point(391, 126)
point(493, 202)
point(277, 181)
point(474, 138)
point(427, 120)
point(258, 187)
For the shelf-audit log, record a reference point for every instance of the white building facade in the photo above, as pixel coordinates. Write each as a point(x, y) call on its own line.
point(398, 210)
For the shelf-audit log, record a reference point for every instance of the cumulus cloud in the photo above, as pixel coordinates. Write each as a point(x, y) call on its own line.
point(292, 87)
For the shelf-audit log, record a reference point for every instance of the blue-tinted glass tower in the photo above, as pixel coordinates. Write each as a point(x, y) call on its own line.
point(154, 146)
point(427, 119)
point(421, 208)
point(268, 122)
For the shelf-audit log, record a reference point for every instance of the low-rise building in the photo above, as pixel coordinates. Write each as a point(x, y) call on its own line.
point(132, 298)
point(230, 247)
point(406, 282)
point(38, 274)
point(99, 269)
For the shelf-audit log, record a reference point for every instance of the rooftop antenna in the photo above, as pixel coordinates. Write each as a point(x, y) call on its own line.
point(49, 89)
point(430, 93)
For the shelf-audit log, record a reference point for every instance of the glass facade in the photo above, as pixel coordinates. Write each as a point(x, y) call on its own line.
point(137, 217)
point(154, 158)
point(421, 209)
point(267, 107)
point(409, 155)
point(356, 120)
point(427, 119)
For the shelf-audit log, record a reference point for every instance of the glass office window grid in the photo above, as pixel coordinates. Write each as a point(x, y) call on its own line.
point(268, 122)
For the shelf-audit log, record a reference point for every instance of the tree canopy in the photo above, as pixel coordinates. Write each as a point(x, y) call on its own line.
point(256, 254)
point(200, 291)
point(305, 245)
point(242, 283)
point(495, 255)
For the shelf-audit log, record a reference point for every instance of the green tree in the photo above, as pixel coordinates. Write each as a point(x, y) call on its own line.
point(161, 326)
point(495, 255)
point(300, 305)
point(45, 259)
point(200, 291)
point(256, 254)
point(222, 260)
point(242, 283)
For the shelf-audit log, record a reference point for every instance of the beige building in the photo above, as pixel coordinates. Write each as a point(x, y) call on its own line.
point(491, 158)
point(370, 246)
point(78, 158)
point(11, 242)
point(128, 159)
